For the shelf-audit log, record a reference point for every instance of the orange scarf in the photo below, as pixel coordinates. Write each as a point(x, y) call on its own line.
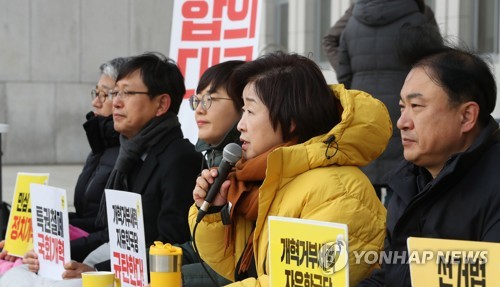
point(244, 196)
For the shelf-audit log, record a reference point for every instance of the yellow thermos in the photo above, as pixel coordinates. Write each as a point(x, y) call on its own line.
point(165, 263)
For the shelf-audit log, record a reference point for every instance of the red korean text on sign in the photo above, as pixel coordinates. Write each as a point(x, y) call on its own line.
point(21, 228)
point(201, 25)
point(128, 268)
point(51, 248)
point(211, 22)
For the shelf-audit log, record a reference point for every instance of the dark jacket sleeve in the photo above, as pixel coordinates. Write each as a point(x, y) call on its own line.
point(492, 226)
point(376, 279)
point(82, 246)
point(95, 173)
point(331, 40)
point(104, 266)
point(177, 197)
point(85, 223)
point(343, 69)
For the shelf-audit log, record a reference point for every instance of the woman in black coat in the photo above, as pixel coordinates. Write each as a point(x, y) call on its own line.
point(104, 144)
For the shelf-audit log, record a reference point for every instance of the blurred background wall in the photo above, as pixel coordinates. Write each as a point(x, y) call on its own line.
point(50, 51)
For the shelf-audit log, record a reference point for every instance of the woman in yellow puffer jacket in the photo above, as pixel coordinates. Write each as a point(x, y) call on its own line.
point(303, 142)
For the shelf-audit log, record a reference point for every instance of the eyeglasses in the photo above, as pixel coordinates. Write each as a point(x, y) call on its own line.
point(206, 101)
point(101, 95)
point(124, 94)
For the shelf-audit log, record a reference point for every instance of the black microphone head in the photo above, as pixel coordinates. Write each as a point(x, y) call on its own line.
point(231, 153)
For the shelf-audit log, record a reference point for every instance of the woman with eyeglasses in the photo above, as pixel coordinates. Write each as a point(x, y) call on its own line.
point(104, 144)
point(216, 113)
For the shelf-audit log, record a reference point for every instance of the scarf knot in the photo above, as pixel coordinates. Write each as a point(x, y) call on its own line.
point(244, 196)
point(131, 151)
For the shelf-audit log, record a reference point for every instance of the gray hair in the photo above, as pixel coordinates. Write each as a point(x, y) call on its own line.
point(112, 67)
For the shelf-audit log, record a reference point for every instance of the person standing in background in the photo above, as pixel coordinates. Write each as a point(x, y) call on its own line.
point(368, 61)
point(331, 41)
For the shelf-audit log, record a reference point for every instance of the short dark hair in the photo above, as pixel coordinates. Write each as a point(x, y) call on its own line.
point(159, 74)
point(217, 77)
point(294, 90)
point(465, 77)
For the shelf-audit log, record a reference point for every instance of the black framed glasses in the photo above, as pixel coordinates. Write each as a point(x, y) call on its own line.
point(101, 95)
point(124, 94)
point(206, 101)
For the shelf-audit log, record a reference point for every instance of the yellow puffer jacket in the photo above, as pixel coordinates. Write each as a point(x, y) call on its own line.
point(302, 183)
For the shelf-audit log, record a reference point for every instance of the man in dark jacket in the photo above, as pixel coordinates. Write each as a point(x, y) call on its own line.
point(449, 187)
point(154, 159)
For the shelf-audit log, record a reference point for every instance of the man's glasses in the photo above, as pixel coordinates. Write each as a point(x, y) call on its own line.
point(124, 94)
point(206, 101)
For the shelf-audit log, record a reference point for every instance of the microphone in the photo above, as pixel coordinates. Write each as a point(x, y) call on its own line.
point(230, 155)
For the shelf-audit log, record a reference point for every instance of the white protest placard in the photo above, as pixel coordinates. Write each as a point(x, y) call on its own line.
point(126, 237)
point(50, 229)
point(208, 32)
